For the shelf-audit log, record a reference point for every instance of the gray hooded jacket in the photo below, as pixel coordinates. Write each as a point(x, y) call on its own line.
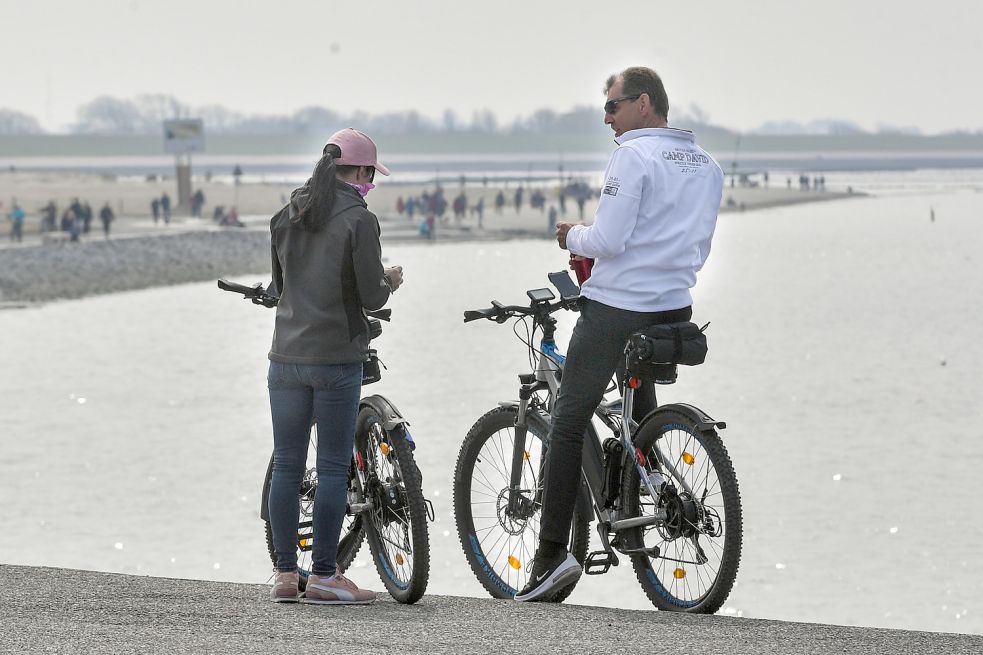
point(325, 279)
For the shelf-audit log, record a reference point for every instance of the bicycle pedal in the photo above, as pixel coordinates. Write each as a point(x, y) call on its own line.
point(600, 562)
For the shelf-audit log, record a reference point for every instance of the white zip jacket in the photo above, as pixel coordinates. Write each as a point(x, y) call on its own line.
point(654, 221)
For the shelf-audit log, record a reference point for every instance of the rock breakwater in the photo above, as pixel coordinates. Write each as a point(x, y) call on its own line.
point(69, 270)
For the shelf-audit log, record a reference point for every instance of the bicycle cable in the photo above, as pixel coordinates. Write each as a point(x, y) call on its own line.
point(529, 340)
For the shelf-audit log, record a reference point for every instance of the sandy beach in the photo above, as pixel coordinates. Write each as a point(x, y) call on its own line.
point(140, 253)
point(130, 197)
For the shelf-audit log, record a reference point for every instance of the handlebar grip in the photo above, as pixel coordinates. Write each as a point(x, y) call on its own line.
point(225, 285)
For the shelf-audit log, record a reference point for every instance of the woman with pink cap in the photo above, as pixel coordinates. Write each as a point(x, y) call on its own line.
point(327, 268)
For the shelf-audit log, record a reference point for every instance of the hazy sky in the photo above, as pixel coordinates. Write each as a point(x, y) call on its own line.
point(875, 63)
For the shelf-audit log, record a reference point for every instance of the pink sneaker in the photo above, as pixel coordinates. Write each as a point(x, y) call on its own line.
point(285, 587)
point(336, 590)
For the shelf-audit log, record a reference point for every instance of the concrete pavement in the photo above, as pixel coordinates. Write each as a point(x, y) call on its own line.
point(47, 610)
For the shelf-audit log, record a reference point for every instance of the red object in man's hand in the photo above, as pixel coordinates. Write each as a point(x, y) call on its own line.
point(581, 267)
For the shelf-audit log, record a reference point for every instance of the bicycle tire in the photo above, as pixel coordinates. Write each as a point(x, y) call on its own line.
point(700, 458)
point(503, 570)
point(397, 532)
point(352, 533)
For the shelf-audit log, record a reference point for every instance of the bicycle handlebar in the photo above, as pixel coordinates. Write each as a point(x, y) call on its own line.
point(259, 296)
point(256, 293)
point(539, 307)
point(501, 313)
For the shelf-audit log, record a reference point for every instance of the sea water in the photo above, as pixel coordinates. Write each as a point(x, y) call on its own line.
point(845, 358)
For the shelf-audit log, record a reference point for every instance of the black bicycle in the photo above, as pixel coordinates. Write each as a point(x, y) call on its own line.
point(663, 491)
point(385, 487)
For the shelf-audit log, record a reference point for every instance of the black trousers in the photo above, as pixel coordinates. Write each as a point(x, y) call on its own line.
point(596, 351)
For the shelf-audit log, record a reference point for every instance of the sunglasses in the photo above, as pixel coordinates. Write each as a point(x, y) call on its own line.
point(611, 106)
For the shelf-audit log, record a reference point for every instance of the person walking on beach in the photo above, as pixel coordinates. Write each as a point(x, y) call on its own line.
point(197, 203)
point(155, 209)
point(107, 216)
point(651, 234)
point(479, 209)
point(49, 217)
point(327, 268)
point(17, 217)
point(165, 207)
point(86, 217)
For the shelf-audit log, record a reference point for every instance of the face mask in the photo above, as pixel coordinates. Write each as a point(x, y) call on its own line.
point(363, 189)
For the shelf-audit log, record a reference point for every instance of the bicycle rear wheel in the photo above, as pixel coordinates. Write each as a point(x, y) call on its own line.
point(700, 541)
point(498, 543)
point(352, 532)
point(396, 526)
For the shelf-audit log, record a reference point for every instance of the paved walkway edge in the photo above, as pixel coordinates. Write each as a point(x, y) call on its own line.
point(46, 610)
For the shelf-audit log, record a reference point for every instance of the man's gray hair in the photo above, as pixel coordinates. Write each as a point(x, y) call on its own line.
point(638, 80)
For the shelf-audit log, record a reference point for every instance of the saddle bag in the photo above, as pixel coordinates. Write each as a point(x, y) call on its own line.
point(653, 353)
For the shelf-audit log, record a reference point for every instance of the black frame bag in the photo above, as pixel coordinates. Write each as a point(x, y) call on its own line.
point(653, 353)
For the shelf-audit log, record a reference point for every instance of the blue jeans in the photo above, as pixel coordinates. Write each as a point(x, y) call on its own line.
point(299, 394)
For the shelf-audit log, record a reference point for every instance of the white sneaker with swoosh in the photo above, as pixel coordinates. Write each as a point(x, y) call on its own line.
point(550, 576)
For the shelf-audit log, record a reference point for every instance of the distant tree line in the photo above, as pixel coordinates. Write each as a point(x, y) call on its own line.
point(15, 122)
point(144, 114)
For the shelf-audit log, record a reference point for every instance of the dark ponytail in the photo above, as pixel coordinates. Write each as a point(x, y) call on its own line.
point(314, 216)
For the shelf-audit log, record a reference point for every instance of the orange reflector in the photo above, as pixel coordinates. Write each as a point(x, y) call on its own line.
point(688, 458)
point(384, 447)
point(304, 543)
point(526, 456)
point(679, 574)
point(400, 559)
point(514, 562)
point(634, 383)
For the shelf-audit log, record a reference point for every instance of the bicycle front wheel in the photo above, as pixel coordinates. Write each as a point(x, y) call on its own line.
point(500, 542)
point(699, 543)
point(352, 532)
point(396, 526)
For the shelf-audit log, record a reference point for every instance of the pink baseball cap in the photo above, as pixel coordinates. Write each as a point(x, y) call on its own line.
point(357, 149)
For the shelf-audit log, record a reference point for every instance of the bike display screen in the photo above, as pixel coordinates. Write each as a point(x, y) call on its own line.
point(540, 295)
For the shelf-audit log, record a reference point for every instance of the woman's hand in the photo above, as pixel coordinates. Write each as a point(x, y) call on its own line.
point(394, 277)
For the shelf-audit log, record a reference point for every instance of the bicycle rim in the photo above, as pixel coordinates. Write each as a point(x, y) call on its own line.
point(500, 544)
point(396, 526)
point(700, 542)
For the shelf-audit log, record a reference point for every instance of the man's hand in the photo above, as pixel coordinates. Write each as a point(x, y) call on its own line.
point(394, 277)
point(561, 234)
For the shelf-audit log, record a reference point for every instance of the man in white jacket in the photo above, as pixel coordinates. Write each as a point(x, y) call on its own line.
point(651, 235)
